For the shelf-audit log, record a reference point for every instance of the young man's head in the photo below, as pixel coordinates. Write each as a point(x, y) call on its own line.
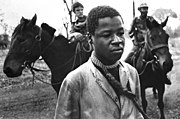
point(105, 25)
point(78, 8)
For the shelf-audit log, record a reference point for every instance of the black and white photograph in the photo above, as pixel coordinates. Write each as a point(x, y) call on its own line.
point(89, 59)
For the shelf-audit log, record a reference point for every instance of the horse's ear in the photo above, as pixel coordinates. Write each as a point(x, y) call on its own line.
point(152, 23)
point(22, 20)
point(33, 21)
point(48, 28)
point(163, 24)
point(155, 23)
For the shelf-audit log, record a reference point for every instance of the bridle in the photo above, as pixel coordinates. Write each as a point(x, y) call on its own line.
point(28, 52)
point(155, 59)
point(30, 64)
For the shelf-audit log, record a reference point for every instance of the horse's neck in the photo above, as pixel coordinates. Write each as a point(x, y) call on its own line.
point(147, 54)
point(56, 54)
point(47, 52)
point(45, 40)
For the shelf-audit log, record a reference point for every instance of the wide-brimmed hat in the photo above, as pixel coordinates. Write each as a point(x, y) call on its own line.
point(143, 5)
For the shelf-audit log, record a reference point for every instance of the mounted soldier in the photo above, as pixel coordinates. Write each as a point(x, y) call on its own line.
point(139, 32)
point(78, 28)
point(139, 28)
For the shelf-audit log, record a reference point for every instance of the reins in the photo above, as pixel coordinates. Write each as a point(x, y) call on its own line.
point(30, 65)
point(152, 49)
point(32, 68)
point(74, 58)
point(116, 85)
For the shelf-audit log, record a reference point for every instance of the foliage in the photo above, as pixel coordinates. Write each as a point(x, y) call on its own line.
point(161, 14)
point(4, 41)
point(173, 33)
point(6, 28)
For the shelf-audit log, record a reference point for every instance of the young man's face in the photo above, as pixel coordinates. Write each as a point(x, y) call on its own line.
point(109, 40)
point(79, 11)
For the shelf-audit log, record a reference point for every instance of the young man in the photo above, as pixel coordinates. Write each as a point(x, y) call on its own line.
point(139, 31)
point(96, 89)
point(78, 28)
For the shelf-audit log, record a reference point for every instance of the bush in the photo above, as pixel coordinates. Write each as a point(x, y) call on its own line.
point(173, 33)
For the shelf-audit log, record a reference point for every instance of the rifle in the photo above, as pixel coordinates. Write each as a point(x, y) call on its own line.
point(70, 11)
point(133, 9)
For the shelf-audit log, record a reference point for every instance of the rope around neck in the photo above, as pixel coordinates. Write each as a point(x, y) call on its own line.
point(115, 84)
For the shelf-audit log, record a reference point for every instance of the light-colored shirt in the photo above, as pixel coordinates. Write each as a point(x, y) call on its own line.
point(86, 94)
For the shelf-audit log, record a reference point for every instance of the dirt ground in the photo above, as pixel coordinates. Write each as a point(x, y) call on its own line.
point(21, 99)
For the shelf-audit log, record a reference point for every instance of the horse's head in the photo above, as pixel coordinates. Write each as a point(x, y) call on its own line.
point(25, 46)
point(158, 44)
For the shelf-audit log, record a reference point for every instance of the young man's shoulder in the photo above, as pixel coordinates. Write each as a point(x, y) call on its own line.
point(79, 71)
point(77, 76)
point(130, 70)
point(128, 66)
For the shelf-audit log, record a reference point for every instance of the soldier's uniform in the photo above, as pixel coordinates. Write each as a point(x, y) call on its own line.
point(139, 30)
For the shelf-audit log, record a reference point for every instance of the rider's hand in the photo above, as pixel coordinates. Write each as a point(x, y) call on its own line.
point(73, 37)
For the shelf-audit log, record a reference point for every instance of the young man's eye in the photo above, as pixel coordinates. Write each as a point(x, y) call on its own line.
point(106, 35)
point(120, 33)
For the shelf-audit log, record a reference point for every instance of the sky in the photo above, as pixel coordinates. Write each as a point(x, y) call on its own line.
point(54, 12)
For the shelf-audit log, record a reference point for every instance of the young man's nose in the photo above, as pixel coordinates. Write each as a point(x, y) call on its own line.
point(117, 39)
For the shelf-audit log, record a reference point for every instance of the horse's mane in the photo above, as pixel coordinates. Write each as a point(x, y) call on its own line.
point(52, 30)
point(20, 26)
point(64, 40)
point(44, 26)
point(60, 36)
point(48, 28)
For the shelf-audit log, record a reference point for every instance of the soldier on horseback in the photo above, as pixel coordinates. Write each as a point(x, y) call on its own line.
point(138, 27)
point(78, 33)
point(78, 29)
point(139, 30)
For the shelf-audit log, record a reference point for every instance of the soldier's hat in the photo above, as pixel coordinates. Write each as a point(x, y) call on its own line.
point(143, 5)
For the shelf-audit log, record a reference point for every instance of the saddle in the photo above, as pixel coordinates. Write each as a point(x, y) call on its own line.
point(84, 42)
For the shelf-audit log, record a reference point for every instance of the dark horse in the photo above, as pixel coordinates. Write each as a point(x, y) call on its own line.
point(30, 41)
point(153, 61)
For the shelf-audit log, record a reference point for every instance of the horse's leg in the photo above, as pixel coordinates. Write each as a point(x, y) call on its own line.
point(160, 100)
point(144, 101)
point(154, 93)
